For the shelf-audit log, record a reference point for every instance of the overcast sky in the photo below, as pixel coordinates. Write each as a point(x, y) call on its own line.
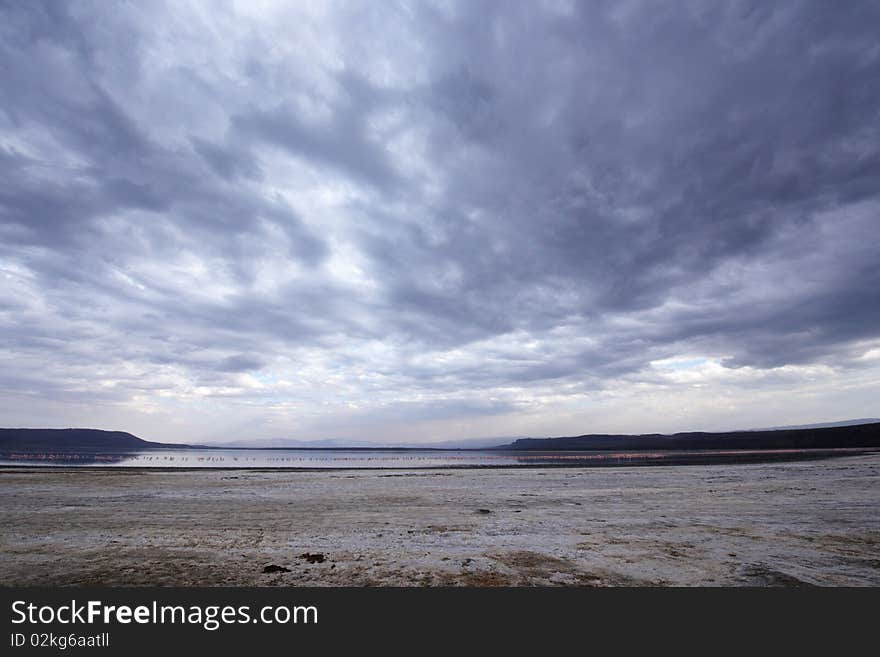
point(415, 221)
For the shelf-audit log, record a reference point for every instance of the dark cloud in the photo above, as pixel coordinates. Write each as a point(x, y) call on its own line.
point(228, 163)
point(384, 203)
point(341, 143)
point(240, 363)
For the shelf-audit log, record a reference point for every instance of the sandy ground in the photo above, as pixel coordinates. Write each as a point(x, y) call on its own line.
point(761, 524)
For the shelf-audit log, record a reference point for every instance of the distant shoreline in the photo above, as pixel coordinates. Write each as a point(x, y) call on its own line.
point(849, 436)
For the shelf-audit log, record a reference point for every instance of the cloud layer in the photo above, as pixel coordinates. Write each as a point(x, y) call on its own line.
point(417, 221)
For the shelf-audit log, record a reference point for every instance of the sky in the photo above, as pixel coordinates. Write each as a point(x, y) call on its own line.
point(424, 221)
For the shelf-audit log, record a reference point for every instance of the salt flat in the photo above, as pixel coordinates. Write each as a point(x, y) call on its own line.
point(800, 523)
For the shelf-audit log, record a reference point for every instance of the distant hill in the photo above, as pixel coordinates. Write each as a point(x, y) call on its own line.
point(31, 439)
point(863, 435)
point(465, 443)
point(288, 443)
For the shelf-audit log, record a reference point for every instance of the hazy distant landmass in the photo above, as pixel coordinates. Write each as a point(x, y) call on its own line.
point(342, 443)
point(862, 435)
point(286, 443)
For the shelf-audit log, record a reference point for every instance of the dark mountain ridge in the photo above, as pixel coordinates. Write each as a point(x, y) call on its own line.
point(862, 435)
point(30, 439)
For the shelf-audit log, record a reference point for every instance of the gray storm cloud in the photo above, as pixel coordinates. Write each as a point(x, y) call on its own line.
point(431, 219)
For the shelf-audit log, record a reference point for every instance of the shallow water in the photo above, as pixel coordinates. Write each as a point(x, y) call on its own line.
point(367, 458)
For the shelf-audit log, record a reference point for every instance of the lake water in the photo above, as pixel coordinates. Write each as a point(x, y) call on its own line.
point(335, 459)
